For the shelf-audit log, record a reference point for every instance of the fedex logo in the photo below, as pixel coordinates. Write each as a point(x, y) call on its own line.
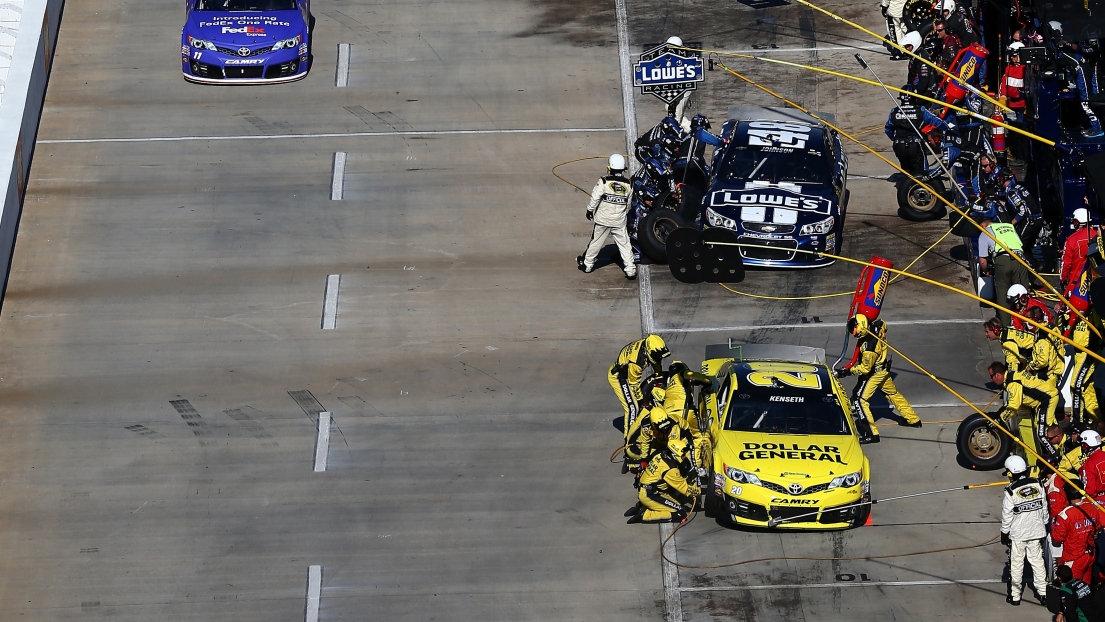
point(243, 30)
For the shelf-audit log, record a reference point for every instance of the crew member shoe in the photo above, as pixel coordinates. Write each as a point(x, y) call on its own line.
point(869, 439)
point(631, 277)
point(631, 511)
point(1093, 133)
point(582, 266)
point(915, 424)
point(636, 518)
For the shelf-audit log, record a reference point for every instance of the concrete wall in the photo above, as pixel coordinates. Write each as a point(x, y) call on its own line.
point(24, 93)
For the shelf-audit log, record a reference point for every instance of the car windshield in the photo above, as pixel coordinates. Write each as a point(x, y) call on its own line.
point(787, 410)
point(775, 165)
point(245, 5)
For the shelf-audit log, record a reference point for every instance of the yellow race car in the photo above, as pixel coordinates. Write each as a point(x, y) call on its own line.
point(786, 453)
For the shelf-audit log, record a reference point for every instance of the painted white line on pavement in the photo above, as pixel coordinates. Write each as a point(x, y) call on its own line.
point(629, 106)
point(812, 325)
point(314, 589)
point(799, 586)
point(330, 302)
point(670, 572)
point(322, 447)
point(882, 177)
point(828, 48)
point(341, 79)
point(644, 277)
point(337, 181)
point(173, 139)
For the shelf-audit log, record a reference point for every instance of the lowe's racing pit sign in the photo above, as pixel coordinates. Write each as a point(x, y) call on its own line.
point(667, 72)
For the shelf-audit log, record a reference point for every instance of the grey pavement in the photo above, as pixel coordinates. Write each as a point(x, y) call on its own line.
point(163, 362)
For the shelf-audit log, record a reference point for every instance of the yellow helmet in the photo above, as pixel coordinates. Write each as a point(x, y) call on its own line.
point(659, 419)
point(656, 348)
point(858, 325)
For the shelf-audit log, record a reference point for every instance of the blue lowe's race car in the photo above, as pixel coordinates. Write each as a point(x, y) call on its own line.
point(245, 41)
point(779, 185)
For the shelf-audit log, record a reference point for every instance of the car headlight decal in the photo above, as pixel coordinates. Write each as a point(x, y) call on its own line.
point(287, 43)
point(715, 219)
point(819, 228)
point(740, 476)
point(846, 481)
point(200, 43)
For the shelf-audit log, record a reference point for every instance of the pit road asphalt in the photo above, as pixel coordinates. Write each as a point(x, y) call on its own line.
point(163, 363)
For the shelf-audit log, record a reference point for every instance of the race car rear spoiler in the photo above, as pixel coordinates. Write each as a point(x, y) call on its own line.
point(765, 351)
point(781, 115)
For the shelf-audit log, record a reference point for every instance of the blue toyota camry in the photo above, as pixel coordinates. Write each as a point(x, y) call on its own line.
point(245, 41)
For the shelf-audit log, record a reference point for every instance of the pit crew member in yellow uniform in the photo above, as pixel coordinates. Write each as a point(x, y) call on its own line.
point(667, 493)
point(1084, 405)
point(626, 374)
point(650, 431)
point(1047, 361)
point(873, 370)
point(1025, 390)
point(1016, 344)
point(680, 407)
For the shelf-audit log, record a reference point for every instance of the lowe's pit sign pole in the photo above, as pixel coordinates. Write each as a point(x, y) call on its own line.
point(668, 70)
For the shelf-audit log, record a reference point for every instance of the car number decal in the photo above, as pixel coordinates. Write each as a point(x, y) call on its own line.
point(766, 134)
point(767, 374)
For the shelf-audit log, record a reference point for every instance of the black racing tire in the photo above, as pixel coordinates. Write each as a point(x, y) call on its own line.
point(917, 203)
point(980, 445)
point(652, 234)
point(712, 507)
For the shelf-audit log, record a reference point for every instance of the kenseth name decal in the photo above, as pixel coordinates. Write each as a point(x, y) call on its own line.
point(771, 198)
point(790, 451)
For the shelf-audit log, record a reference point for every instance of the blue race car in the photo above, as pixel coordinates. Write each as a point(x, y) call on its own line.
point(245, 41)
point(780, 186)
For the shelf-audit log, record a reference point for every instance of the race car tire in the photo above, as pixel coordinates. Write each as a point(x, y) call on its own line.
point(917, 203)
point(712, 507)
point(980, 445)
point(652, 234)
point(692, 202)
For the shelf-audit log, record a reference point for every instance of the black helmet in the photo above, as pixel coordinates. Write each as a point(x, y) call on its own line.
point(700, 121)
point(905, 97)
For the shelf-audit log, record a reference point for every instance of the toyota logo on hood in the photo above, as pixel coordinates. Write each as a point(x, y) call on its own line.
point(794, 488)
point(243, 51)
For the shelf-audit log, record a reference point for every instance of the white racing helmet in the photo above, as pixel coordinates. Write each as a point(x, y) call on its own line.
point(1090, 438)
point(1082, 215)
point(911, 38)
point(1015, 291)
point(948, 5)
point(1056, 26)
point(616, 162)
point(1015, 465)
point(676, 41)
point(1016, 45)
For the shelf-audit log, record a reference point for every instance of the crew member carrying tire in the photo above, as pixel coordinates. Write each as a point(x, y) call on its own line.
point(1027, 391)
